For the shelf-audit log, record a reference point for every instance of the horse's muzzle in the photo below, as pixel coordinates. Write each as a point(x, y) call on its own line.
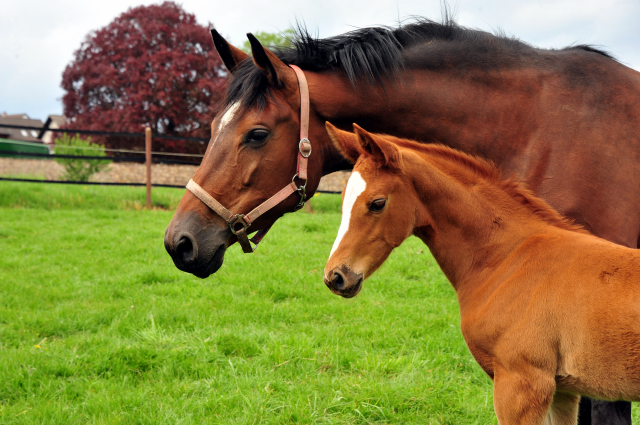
point(344, 282)
point(194, 248)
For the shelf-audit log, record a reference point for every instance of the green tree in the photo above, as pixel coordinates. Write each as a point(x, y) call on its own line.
point(271, 39)
point(79, 169)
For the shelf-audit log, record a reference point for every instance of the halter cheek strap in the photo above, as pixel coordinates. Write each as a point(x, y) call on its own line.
point(239, 223)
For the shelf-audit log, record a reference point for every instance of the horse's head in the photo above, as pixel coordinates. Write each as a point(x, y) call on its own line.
point(252, 154)
point(376, 209)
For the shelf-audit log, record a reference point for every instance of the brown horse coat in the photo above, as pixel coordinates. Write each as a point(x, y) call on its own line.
point(565, 120)
point(549, 311)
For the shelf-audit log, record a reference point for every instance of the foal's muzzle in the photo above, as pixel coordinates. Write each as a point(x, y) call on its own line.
point(344, 282)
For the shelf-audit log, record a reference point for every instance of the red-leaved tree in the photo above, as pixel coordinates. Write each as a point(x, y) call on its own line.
point(152, 66)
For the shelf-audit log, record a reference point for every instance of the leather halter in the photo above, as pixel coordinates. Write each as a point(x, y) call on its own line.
point(239, 223)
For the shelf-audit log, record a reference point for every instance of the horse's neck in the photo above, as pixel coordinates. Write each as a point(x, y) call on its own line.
point(460, 111)
point(468, 227)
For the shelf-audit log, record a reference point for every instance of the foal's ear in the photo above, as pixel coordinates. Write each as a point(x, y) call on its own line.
point(345, 142)
point(381, 150)
point(278, 73)
point(230, 55)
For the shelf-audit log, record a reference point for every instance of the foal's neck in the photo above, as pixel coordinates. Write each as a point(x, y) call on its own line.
point(469, 223)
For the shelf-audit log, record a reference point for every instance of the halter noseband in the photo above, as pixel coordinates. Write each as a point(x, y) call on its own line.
point(239, 223)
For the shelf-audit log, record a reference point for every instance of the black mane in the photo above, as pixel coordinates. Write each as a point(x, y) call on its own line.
point(373, 54)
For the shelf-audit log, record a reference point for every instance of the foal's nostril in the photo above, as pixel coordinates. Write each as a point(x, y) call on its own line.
point(186, 249)
point(338, 280)
point(358, 282)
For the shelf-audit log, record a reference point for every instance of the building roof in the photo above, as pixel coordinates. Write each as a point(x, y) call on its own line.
point(57, 121)
point(16, 133)
point(29, 135)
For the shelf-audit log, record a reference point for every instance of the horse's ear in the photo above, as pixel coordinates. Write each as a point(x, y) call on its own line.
point(381, 150)
point(278, 73)
point(345, 142)
point(230, 55)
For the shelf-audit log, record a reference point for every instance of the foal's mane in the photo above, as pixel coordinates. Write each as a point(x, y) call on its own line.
point(373, 54)
point(488, 172)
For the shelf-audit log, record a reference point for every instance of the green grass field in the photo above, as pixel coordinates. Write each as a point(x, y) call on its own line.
point(98, 326)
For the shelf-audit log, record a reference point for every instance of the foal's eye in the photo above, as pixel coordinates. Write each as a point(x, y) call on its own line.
point(256, 136)
point(377, 205)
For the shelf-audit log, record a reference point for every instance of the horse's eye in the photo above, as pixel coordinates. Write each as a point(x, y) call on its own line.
point(256, 136)
point(377, 205)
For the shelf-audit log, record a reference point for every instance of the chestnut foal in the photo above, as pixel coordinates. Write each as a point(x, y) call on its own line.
point(549, 311)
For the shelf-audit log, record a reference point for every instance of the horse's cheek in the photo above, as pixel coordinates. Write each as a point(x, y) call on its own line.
point(249, 172)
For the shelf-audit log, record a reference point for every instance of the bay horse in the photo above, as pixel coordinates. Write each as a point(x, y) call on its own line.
point(548, 310)
point(566, 121)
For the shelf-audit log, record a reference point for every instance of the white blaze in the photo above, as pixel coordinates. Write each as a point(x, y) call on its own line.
point(226, 117)
point(355, 186)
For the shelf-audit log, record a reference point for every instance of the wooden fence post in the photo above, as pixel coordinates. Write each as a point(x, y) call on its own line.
point(147, 147)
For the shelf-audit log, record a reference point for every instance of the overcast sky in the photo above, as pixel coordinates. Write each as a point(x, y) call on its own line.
point(38, 38)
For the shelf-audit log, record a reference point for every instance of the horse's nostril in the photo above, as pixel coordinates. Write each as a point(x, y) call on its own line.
point(359, 282)
point(186, 249)
point(338, 280)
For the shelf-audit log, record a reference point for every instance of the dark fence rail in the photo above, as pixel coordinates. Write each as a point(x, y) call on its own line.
point(141, 159)
point(11, 179)
point(146, 156)
point(106, 133)
point(155, 160)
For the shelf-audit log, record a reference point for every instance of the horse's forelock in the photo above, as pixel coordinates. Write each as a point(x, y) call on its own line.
point(248, 87)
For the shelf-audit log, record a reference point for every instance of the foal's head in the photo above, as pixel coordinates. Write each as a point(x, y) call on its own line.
point(378, 209)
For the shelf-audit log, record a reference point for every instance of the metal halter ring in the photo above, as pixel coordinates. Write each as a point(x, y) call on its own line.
point(302, 152)
point(303, 187)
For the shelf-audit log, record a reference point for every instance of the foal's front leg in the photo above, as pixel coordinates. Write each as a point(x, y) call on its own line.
point(564, 410)
point(522, 396)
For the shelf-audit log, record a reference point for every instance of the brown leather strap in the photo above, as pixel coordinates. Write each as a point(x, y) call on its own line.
point(271, 202)
point(244, 242)
point(304, 102)
point(209, 200)
point(304, 147)
point(260, 234)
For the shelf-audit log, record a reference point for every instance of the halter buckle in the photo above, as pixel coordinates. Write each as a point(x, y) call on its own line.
point(304, 147)
point(241, 233)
